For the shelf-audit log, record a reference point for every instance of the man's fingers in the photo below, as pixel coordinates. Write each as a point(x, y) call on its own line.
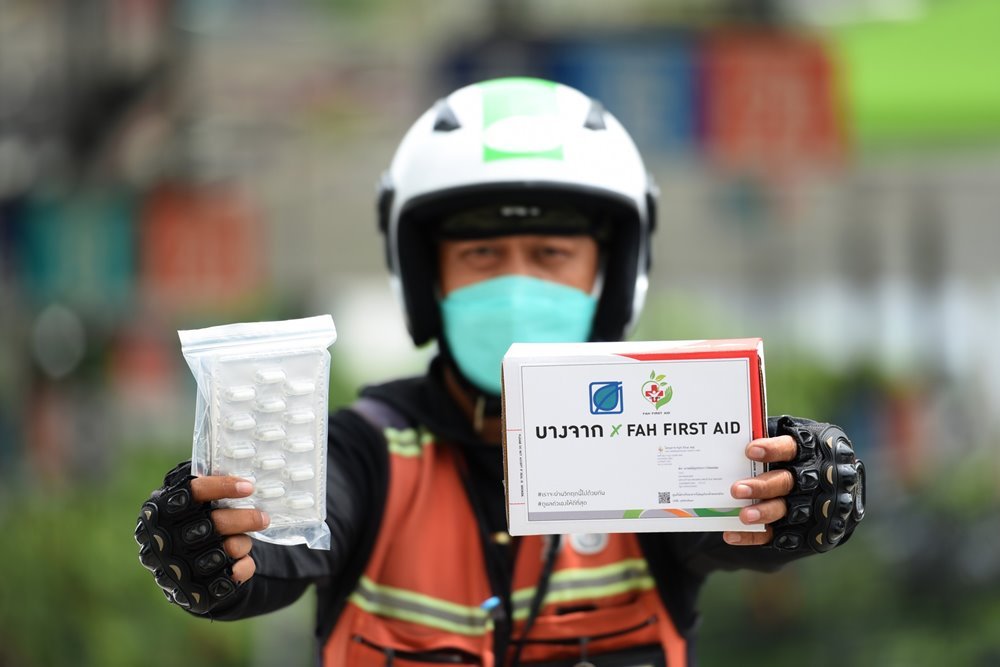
point(748, 539)
point(765, 511)
point(769, 487)
point(771, 484)
point(217, 487)
point(237, 546)
point(772, 450)
point(243, 569)
point(235, 521)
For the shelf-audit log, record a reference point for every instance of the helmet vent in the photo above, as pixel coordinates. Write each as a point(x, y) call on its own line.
point(595, 117)
point(445, 119)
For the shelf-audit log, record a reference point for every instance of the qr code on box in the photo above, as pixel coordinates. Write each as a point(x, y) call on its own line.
point(664, 497)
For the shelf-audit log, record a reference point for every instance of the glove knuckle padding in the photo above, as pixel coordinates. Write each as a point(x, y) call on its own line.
point(178, 543)
point(828, 498)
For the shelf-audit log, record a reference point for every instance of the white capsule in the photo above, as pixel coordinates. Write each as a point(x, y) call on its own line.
point(300, 501)
point(269, 375)
point(270, 432)
point(240, 394)
point(299, 473)
point(237, 503)
point(271, 490)
point(240, 421)
point(239, 450)
point(271, 462)
point(303, 416)
point(299, 387)
point(299, 445)
point(271, 405)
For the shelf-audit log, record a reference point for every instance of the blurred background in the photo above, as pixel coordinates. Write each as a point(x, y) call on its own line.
point(830, 177)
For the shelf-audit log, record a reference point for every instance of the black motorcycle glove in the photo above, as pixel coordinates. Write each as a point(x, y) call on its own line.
point(180, 546)
point(828, 499)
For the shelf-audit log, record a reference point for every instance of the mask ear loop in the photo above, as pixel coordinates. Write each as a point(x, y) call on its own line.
point(598, 288)
point(602, 266)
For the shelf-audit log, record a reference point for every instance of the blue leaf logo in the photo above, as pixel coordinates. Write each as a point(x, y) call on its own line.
point(605, 398)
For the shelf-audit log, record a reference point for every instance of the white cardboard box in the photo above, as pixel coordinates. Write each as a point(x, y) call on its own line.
point(630, 437)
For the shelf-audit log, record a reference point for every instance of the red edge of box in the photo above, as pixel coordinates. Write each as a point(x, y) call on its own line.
point(751, 355)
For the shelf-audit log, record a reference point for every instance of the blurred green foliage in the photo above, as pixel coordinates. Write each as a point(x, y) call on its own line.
point(918, 584)
point(74, 592)
point(852, 607)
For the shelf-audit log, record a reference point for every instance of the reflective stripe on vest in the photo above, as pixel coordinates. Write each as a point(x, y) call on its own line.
point(407, 442)
point(574, 585)
point(421, 609)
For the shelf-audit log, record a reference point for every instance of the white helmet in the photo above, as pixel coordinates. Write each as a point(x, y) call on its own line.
point(517, 142)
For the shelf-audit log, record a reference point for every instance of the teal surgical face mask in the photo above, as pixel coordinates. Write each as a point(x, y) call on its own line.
point(483, 319)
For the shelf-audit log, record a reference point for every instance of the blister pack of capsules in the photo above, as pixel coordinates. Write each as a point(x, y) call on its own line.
point(261, 414)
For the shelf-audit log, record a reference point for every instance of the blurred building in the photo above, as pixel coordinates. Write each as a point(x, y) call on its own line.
point(167, 164)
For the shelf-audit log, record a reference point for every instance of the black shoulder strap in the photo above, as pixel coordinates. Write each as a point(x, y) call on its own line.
point(380, 414)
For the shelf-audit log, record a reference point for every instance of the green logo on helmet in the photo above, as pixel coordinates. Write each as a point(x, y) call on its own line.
point(521, 120)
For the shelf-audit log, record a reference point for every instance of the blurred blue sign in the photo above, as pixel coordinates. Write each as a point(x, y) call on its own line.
point(77, 249)
point(649, 82)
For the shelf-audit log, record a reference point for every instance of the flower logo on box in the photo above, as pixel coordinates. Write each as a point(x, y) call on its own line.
point(657, 390)
point(606, 398)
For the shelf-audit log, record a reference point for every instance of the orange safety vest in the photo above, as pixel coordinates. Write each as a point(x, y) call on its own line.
point(426, 581)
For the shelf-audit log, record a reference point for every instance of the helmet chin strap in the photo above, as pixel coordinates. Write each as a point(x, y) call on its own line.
point(479, 406)
point(477, 415)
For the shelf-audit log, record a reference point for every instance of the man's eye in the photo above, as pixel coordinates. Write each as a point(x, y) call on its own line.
point(554, 252)
point(479, 251)
point(480, 255)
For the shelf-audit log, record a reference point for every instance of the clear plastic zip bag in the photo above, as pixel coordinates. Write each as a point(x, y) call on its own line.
point(261, 414)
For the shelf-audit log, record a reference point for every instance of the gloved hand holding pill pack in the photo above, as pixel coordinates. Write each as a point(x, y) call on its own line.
point(261, 414)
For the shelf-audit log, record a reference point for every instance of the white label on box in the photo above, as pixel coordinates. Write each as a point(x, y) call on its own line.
point(630, 446)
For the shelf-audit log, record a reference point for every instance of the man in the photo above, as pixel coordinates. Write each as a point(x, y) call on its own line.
point(514, 210)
